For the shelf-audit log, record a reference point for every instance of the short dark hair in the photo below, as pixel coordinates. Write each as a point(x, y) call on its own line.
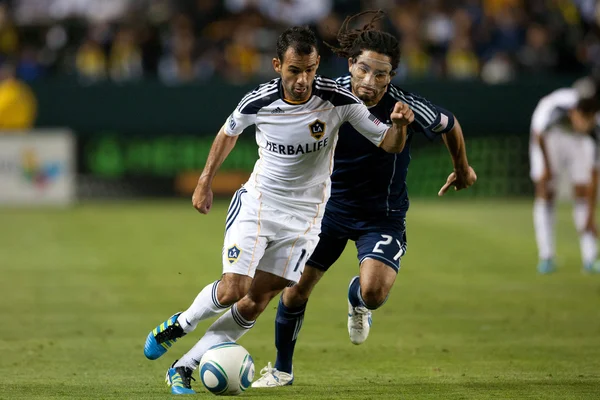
point(352, 42)
point(588, 105)
point(300, 38)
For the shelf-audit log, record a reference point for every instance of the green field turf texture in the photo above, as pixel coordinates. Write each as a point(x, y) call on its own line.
point(467, 319)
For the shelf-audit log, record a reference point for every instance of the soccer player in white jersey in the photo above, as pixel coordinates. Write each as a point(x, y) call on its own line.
point(562, 139)
point(274, 220)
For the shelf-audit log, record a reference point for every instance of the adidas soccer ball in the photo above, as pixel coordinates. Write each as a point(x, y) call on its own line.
point(226, 369)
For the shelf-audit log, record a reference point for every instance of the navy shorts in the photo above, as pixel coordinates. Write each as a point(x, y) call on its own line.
point(382, 239)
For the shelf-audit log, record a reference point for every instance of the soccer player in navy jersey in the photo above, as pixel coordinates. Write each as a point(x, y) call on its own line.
point(369, 201)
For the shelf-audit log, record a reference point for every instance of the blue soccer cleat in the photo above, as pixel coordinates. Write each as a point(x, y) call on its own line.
point(592, 268)
point(162, 337)
point(545, 267)
point(179, 378)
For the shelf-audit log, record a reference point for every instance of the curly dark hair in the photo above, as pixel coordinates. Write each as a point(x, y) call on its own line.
point(352, 42)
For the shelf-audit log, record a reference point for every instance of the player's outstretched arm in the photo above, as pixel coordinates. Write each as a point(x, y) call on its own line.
point(463, 175)
point(203, 196)
point(395, 137)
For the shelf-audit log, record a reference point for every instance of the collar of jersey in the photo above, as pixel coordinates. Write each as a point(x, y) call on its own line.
point(295, 103)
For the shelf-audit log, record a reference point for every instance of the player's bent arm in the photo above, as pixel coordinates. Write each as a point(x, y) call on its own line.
point(391, 139)
point(395, 139)
point(455, 142)
point(541, 139)
point(203, 196)
point(220, 149)
point(463, 175)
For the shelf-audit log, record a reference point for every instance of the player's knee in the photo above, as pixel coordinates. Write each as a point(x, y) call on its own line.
point(232, 288)
point(296, 295)
point(373, 296)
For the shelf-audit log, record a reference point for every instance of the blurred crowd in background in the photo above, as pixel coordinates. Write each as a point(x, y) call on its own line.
point(181, 41)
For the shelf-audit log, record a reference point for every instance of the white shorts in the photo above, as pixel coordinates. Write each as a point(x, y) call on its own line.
point(258, 236)
point(568, 153)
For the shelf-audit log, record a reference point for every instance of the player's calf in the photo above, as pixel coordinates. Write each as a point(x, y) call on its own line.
point(373, 296)
point(368, 293)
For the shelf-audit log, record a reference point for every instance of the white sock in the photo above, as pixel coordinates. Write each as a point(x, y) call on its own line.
point(205, 305)
point(587, 241)
point(589, 248)
point(543, 222)
point(228, 328)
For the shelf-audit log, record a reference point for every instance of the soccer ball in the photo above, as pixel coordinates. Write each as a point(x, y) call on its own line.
point(226, 369)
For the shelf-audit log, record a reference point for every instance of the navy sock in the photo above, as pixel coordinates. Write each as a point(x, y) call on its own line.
point(288, 323)
point(354, 294)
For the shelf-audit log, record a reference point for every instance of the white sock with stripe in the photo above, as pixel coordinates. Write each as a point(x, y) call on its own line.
point(228, 328)
point(205, 305)
point(543, 222)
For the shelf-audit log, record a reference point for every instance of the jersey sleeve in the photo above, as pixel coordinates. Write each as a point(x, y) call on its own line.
point(359, 116)
point(431, 119)
point(245, 113)
point(238, 121)
point(550, 108)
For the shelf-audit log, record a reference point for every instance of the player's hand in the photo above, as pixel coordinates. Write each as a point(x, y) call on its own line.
point(202, 198)
point(460, 179)
point(402, 114)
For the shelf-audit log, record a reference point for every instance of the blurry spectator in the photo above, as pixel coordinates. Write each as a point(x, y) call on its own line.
point(151, 50)
point(28, 66)
point(507, 31)
point(17, 102)
point(9, 39)
point(537, 55)
point(241, 54)
point(125, 57)
point(499, 69)
point(91, 61)
point(495, 7)
point(461, 61)
point(438, 28)
point(415, 61)
point(178, 66)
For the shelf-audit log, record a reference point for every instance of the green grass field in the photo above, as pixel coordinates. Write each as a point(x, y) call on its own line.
point(468, 318)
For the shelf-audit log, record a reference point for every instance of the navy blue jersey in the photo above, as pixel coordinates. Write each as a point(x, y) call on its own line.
point(366, 180)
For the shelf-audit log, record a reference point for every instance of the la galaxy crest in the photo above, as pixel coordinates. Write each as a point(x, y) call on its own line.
point(317, 129)
point(233, 253)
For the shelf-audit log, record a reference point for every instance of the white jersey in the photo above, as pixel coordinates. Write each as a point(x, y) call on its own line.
point(568, 152)
point(296, 141)
point(552, 111)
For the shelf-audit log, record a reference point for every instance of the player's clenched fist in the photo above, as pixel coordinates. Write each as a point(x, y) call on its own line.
point(202, 198)
point(402, 114)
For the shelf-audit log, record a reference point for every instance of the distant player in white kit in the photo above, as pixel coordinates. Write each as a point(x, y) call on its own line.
point(562, 139)
point(274, 220)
